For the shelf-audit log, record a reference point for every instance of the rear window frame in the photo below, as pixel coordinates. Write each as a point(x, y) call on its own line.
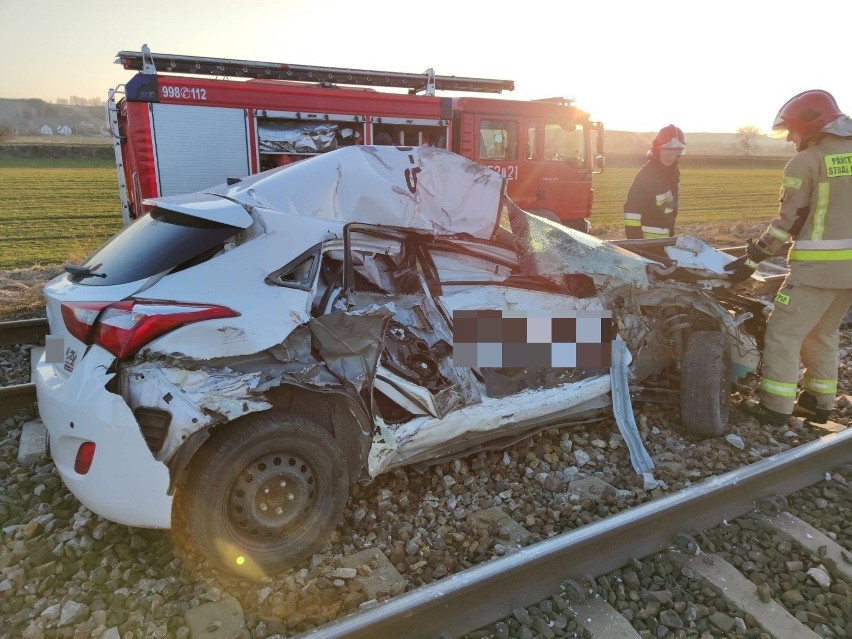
point(117, 252)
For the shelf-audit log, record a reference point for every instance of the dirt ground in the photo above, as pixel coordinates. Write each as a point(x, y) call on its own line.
point(21, 291)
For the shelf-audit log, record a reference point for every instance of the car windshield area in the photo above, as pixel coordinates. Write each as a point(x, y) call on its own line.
point(561, 254)
point(157, 242)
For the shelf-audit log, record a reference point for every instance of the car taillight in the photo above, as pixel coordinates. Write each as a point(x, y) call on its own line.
point(85, 455)
point(125, 327)
point(79, 317)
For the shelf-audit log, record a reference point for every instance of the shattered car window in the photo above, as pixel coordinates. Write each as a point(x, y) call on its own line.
point(551, 250)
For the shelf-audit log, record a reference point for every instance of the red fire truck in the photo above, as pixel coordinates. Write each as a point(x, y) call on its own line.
point(175, 134)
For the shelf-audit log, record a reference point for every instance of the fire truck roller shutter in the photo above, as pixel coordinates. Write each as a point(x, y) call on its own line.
point(198, 147)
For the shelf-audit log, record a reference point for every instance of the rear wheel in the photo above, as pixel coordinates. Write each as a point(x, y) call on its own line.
point(705, 390)
point(263, 494)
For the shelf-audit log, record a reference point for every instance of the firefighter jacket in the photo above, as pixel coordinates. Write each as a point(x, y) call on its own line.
point(651, 206)
point(816, 213)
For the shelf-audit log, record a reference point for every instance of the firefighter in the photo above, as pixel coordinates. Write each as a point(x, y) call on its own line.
point(816, 214)
point(651, 206)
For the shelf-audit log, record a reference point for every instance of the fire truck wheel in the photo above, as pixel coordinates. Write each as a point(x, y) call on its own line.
point(705, 390)
point(263, 494)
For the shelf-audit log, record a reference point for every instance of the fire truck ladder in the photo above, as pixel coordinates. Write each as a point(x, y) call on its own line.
point(428, 82)
point(112, 121)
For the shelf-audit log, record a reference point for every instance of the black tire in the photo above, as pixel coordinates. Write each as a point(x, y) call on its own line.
point(705, 388)
point(263, 494)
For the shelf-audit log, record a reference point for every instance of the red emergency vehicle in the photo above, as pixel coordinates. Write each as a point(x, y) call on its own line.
point(176, 134)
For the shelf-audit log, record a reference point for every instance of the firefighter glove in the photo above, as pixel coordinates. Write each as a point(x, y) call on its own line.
point(740, 269)
point(757, 252)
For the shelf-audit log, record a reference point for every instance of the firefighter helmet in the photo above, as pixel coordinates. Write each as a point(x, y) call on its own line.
point(669, 138)
point(806, 113)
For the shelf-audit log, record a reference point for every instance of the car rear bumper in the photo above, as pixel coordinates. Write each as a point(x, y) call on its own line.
point(125, 483)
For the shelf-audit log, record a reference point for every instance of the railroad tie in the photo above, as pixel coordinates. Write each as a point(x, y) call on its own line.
point(602, 620)
point(794, 529)
point(741, 594)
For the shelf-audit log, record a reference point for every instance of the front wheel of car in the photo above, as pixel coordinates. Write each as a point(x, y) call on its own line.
point(705, 390)
point(263, 494)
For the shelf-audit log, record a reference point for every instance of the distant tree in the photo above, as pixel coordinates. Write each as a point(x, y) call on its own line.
point(6, 133)
point(747, 137)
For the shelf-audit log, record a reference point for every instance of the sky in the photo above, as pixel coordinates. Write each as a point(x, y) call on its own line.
point(635, 66)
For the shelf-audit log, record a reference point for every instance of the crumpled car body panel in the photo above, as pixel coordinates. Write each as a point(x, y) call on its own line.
point(343, 277)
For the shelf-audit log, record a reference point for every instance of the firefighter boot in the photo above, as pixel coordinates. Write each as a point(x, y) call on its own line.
point(806, 408)
point(764, 415)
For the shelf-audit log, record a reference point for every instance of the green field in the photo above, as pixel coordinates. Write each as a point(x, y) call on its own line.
point(54, 211)
point(714, 195)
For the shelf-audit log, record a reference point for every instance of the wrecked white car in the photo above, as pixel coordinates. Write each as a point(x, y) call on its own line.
point(236, 358)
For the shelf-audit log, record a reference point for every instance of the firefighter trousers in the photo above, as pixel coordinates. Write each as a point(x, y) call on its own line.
point(806, 321)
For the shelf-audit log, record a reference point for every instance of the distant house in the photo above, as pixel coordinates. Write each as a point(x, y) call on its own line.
point(45, 130)
point(64, 130)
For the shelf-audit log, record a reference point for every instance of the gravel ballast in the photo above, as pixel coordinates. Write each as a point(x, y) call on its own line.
point(65, 572)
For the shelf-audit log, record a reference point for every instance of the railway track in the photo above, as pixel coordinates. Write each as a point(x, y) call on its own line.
point(567, 568)
point(20, 397)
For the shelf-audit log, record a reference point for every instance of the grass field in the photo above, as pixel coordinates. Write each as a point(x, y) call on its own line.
point(734, 200)
point(53, 211)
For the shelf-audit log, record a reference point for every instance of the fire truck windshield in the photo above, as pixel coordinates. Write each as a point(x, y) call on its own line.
point(563, 143)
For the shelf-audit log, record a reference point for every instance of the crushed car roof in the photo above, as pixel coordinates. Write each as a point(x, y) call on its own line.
point(424, 188)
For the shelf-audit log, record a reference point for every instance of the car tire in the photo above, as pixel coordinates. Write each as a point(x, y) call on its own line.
point(263, 494)
point(705, 389)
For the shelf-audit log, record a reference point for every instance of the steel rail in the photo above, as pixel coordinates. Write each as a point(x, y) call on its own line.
point(16, 399)
point(488, 592)
point(20, 397)
point(28, 331)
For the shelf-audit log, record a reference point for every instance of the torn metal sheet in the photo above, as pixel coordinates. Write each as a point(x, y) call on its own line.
point(296, 361)
point(427, 438)
point(623, 409)
point(417, 349)
point(410, 396)
point(350, 345)
point(690, 252)
point(195, 398)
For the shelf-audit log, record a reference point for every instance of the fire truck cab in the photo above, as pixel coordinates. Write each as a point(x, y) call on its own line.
point(175, 133)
